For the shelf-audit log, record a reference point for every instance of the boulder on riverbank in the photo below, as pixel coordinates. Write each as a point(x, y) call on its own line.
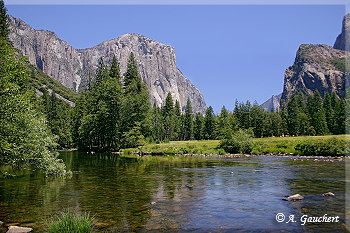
point(295, 197)
point(16, 229)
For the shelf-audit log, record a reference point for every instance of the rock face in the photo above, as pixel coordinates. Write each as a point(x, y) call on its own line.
point(272, 103)
point(73, 68)
point(318, 67)
point(343, 40)
point(47, 52)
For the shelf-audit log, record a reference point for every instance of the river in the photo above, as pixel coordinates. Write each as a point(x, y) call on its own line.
point(176, 194)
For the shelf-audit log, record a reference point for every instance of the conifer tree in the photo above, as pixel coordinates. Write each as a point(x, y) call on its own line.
point(101, 71)
point(293, 113)
point(177, 121)
point(4, 28)
point(136, 107)
point(168, 117)
point(188, 121)
point(198, 126)
point(209, 123)
point(284, 118)
point(329, 111)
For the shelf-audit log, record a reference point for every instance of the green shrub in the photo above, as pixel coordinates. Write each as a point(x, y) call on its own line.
point(328, 147)
point(70, 222)
point(240, 142)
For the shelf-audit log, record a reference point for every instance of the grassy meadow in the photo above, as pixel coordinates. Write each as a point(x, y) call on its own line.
point(271, 145)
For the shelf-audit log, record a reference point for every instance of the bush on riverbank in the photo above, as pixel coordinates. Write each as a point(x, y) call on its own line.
point(71, 222)
point(239, 142)
point(329, 147)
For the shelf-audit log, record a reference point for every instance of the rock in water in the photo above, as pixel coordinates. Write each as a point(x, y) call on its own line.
point(16, 229)
point(74, 68)
point(329, 194)
point(295, 197)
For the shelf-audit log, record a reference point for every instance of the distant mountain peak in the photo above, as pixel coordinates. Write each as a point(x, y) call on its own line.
point(272, 103)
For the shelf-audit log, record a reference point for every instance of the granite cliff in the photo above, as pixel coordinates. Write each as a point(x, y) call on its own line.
point(318, 67)
point(343, 40)
point(73, 68)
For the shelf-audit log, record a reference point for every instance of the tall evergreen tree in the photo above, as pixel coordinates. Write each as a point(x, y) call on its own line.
point(198, 126)
point(257, 120)
point(209, 123)
point(284, 117)
point(223, 124)
point(4, 28)
point(177, 121)
point(136, 107)
point(101, 71)
point(293, 113)
point(188, 121)
point(168, 116)
point(329, 111)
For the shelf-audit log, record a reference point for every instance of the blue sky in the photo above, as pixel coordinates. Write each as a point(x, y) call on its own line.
point(228, 51)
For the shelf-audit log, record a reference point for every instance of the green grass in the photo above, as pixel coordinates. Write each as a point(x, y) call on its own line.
point(272, 145)
point(181, 147)
point(287, 145)
point(70, 222)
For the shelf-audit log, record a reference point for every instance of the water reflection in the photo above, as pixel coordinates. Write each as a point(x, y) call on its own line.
point(179, 194)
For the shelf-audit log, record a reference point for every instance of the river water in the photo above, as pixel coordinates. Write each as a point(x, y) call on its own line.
point(176, 194)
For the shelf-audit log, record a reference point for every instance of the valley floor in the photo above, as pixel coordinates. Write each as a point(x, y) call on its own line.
point(261, 146)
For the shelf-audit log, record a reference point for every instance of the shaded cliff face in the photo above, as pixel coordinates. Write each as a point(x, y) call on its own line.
point(318, 67)
point(73, 68)
point(343, 40)
point(47, 52)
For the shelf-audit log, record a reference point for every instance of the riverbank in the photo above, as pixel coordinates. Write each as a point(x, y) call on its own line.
point(303, 145)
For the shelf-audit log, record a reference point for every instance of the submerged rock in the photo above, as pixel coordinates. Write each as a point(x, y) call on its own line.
point(330, 194)
point(16, 229)
point(1, 223)
point(295, 197)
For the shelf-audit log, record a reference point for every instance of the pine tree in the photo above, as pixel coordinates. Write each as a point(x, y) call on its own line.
point(4, 28)
point(177, 121)
point(339, 117)
point(168, 117)
point(293, 113)
point(329, 111)
point(101, 72)
point(257, 120)
point(223, 124)
point(209, 123)
point(114, 71)
point(198, 126)
point(284, 118)
point(136, 107)
point(188, 121)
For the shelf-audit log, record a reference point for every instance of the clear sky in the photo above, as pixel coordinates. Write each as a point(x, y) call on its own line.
point(228, 51)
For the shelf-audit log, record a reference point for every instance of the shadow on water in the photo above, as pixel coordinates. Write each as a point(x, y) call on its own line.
point(176, 194)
